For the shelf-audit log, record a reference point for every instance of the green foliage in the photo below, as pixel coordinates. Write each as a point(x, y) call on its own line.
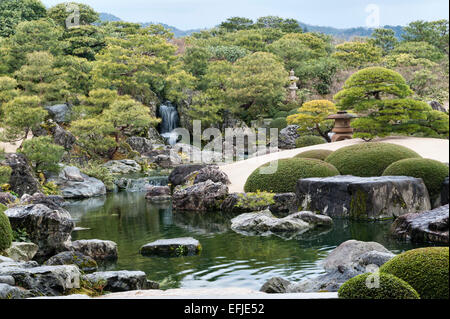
point(20, 235)
point(433, 32)
point(255, 201)
point(84, 41)
point(50, 188)
point(236, 23)
point(12, 12)
point(43, 155)
point(100, 172)
point(357, 54)
point(425, 269)
point(384, 39)
point(309, 140)
point(288, 172)
point(5, 174)
point(61, 12)
point(317, 154)
point(279, 123)
point(390, 287)
point(419, 50)
point(281, 114)
point(6, 235)
point(368, 159)
point(433, 173)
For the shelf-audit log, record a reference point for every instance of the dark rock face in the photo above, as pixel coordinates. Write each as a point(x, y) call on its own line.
point(430, 226)
point(49, 228)
point(363, 198)
point(175, 247)
point(437, 106)
point(285, 204)
point(275, 285)
point(118, 281)
point(62, 137)
point(52, 201)
point(59, 112)
point(99, 250)
point(287, 137)
point(158, 193)
point(84, 263)
point(213, 173)
point(204, 196)
point(6, 198)
point(178, 175)
point(140, 144)
point(22, 179)
point(445, 193)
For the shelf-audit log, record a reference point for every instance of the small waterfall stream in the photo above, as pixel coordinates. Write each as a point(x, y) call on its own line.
point(169, 116)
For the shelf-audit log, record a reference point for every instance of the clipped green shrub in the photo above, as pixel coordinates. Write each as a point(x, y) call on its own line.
point(6, 234)
point(390, 287)
point(317, 154)
point(425, 269)
point(309, 140)
point(293, 111)
point(287, 173)
point(433, 173)
point(368, 159)
point(5, 174)
point(281, 114)
point(279, 123)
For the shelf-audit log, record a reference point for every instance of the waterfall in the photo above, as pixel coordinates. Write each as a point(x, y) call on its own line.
point(169, 116)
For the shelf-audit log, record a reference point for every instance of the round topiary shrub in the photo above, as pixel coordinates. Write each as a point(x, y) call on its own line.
point(390, 287)
point(293, 111)
point(309, 140)
point(432, 172)
point(279, 123)
point(6, 235)
point(287, 173)
point(280, 114)
point(425, 269)
point(317, 154)
point(368, 159)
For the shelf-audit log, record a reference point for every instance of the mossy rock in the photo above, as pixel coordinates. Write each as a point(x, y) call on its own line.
point(288, 172)
point(279, 123)
point(433, 173)
point(5, 174)
point(425, 269)
point(6, 234)
point(368, 159)
point(309, 140)
point(390, 287)
point(317, 154)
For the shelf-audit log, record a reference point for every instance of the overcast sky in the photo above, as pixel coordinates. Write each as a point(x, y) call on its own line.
point(191, 14)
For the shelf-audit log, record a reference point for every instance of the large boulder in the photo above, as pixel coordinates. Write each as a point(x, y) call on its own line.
point(22, 251)
point(122, 167)
point(75, 185)
point(287, 137)
point(179, 174)
point(154, 137)
point(62, 137)
point(204, 196)
point(275, 285)
point(99, 250)
point(84, 263)
point(430, 226)
point(167, 161)
point(59, 112)
point(264, 223)
point(213, 173)
point(22, 180)
point(285, 204)
point(158, 193)
point(141, 145)
point(49, 228)
point(175, 247)
point(11, 292)
point(117, 281)
point(367, 198)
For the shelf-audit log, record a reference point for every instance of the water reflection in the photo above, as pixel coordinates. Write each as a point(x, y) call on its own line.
point(228, 259)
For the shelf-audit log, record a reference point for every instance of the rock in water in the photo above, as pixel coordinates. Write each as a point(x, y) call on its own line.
point(175, 247)
point(84, 263)
point(122, 167)
point(363, 197)
point(117, 281)
point(275, 285)
point(285, 204)
point(213, 173)
point(99, 250)
point(178, 175)
point(430, 226)
point(204, 196)
point(49, 228)
point(158, 193)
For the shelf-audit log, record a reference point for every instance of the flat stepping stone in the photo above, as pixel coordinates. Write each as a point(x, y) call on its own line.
point(175, 247)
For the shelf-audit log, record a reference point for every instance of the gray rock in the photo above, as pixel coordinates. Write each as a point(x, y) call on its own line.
point(51, 201)
point(44, 280)
point(140, 144)
point(213, 173)
point(445, 192)
point(99, 250)
point(373, 257)
point(72, 187)
point(287, 137)
point(364, 198)
point(155, 137)
point(22, 180)
point(7, 198)
point(59, 112)
point(167, 161)
point(285, 204)
point(122, 167)
point(48, 228)
point(430, 226)
point(84, 263)
point(117, 281)
point(174, 247)
point(437, 106)
point(264, 223)
point(10, 292)
point(179, 174)
point(204, 196)
point(275, 285)
point(9, 280)
point(158, 193)
point(62, 137)
point(22, 251)
point(4, 259)
point(244, 203)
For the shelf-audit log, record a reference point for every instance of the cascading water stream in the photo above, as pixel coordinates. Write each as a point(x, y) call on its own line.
point(169, 116)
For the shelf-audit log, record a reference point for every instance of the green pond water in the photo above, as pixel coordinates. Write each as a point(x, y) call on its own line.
point(228, 259)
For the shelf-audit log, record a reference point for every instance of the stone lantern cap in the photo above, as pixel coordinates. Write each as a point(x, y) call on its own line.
point(342, 115)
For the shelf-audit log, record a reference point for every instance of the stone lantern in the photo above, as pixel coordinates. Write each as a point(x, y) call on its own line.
point(293, 88)
point(342, 128)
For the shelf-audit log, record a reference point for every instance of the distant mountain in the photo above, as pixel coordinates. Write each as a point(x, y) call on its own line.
point(345, 34)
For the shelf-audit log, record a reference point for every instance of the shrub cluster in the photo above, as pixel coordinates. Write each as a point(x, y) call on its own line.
point(309, 140)
point(288, 172)
point(317, 154)
point(279, 123)
point(6, 235)
point(368, 159)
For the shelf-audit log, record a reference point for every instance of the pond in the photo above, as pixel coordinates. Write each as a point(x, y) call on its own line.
point(228, 259)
